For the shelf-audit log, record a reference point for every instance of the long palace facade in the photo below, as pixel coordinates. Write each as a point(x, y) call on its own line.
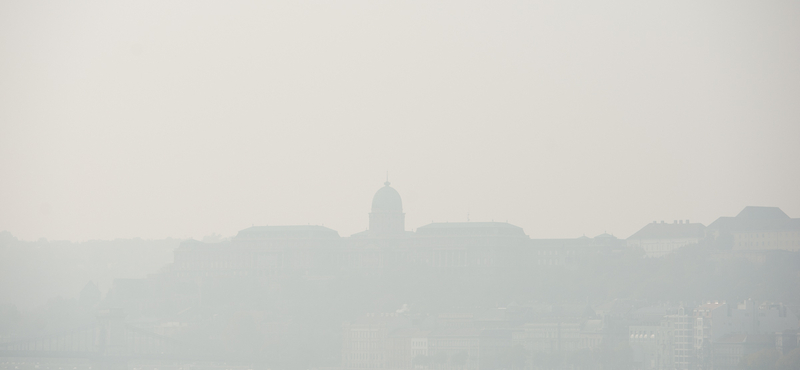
point(318, 251)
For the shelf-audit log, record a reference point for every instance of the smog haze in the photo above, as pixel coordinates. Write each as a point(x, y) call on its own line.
point(166, 119)
point(409, 185)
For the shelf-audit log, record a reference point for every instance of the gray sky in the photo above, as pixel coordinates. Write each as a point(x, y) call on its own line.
point(182, 119)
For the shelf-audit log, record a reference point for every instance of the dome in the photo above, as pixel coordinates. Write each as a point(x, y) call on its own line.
point(387, 199)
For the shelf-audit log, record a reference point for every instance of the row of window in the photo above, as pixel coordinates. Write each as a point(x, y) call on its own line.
point(365, 334)
point(547, 262)
point(364, 356)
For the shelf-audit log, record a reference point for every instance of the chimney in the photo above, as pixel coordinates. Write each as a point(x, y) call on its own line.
point(687, 221)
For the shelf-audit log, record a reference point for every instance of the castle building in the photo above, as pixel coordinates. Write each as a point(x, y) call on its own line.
point(268, 251)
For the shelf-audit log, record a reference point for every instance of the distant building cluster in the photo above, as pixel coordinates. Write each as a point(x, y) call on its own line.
point(715, 335)
point(267, 260)
point(316, 250)
point(753, 229)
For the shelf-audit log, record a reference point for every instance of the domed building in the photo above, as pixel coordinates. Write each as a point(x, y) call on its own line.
point(269, 252)
point(387, 217)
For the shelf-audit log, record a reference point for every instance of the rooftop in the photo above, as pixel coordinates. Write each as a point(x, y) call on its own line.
point(757, 219)
point(762, 213)
point(471, 229)
point(670, 231)
point(291, 231)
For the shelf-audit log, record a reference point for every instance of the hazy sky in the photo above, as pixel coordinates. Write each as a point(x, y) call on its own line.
point(182, 119)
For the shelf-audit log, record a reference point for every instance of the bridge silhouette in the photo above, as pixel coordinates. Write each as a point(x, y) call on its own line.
point(110, 344)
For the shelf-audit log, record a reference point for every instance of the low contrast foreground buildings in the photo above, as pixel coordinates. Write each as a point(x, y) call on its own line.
point(662, 337)
point(510, 337)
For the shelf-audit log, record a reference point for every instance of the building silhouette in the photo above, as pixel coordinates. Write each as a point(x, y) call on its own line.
point(266, 252)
